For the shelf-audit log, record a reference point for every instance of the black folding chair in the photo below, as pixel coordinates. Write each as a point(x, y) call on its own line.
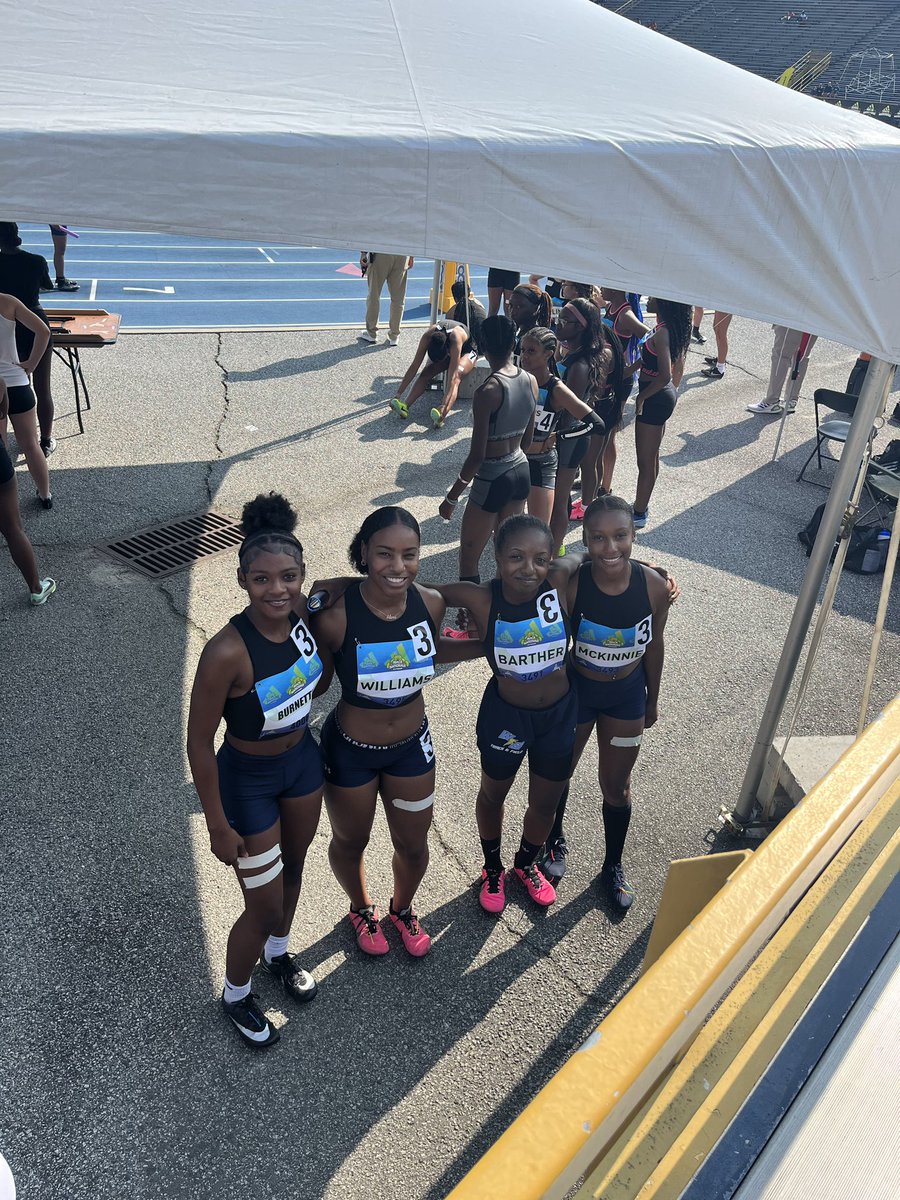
point(830, 428)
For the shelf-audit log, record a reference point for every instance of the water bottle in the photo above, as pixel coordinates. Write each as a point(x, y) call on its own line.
point(876, 556)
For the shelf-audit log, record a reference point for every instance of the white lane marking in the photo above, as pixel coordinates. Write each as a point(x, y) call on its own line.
point(218, 262)
point(267, 280)
point(163, 291)
point(93, 295)
point(265, 256)
point(261, 300)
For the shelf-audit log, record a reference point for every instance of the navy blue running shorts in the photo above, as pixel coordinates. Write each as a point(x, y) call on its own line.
point(350, 764)
point(505, 733)
point(253, 785)
point(622, 699)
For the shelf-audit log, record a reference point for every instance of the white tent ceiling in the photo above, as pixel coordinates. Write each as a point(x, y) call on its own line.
point(554, 137)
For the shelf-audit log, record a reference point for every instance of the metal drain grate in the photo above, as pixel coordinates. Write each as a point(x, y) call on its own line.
point(164, 549)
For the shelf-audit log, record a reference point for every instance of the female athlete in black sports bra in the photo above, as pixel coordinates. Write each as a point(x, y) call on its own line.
point(656, 398)
point(382, 632)
point(262, 793)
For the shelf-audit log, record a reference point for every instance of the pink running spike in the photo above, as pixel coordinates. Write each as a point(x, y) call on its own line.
point(538, 888)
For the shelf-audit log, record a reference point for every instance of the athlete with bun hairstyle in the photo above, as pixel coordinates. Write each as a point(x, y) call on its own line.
point(382, 632)
point(262, 793)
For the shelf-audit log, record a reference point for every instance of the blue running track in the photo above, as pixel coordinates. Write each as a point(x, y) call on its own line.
point(163, 281)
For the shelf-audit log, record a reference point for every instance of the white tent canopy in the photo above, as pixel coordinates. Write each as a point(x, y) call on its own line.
point(554, 137)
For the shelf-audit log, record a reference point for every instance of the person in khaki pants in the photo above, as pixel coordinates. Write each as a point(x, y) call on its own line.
point(381, 269)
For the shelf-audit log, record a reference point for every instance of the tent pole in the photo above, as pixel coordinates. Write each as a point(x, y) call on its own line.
point(870, 405)
point(436, 290)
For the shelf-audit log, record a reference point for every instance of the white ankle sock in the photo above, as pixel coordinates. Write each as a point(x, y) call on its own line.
point(275, 946)
point(232, 994)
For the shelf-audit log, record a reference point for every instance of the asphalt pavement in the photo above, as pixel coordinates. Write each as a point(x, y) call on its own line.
point(118, 1074)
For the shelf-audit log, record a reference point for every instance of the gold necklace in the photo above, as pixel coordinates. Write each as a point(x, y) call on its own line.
point(379, 611)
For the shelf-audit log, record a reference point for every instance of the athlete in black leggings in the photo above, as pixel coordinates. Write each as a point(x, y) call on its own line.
point(262, 793)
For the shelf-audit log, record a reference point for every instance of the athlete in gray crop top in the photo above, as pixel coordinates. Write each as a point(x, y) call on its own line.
point(516, 408)
point(502, 425)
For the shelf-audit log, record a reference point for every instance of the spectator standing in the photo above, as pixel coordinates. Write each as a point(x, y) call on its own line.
point(60, 235)
point(790, 358)
point(25, 276)
point(381, 269)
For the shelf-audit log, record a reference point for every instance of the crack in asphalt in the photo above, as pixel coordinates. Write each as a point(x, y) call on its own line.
point(539, 955)
point(226, 404)
point(176, 611)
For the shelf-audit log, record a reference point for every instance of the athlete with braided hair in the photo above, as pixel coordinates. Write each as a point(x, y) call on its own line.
point(262, 794)
point(625, 319)
point(585, 361)
point(661, 355)
point(538, 358)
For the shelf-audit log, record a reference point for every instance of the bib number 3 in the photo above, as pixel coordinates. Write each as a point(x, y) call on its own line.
point(423, 642)
point(549, 612)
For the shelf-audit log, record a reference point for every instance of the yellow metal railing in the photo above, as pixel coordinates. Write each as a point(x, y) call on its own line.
point(806, 70)
point(611, 1080)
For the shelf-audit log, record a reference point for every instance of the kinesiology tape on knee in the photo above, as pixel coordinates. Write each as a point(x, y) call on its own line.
point(261, 860)
point(627, 741)
point(414, 805)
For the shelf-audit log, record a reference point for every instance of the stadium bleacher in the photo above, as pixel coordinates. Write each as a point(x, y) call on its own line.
point(861, 36)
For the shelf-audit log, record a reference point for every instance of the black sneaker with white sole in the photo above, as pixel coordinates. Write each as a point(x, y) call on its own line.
point(251, 1022)
point(298, 984)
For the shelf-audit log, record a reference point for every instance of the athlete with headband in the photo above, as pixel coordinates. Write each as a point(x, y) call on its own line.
point(262, 793)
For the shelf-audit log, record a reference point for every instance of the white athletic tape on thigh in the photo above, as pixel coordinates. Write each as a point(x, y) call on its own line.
point(632, 741)
point(259, 860)
point(256, 881)
point(414, 805)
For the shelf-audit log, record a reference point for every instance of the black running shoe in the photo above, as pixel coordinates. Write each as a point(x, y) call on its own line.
point(890, 456)
point(298, 984)
point(553, 863)
point(251, 1022)
point(711, 360)
point(67, 285)
point(618, 889)
point(697, 335)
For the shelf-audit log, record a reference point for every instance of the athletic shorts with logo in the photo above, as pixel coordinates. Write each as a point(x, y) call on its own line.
point(506, 733)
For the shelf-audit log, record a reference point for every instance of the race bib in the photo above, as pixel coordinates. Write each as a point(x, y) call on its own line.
point(390, 672)
point(527, 650)
point(285, 698)
point(606, 650)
